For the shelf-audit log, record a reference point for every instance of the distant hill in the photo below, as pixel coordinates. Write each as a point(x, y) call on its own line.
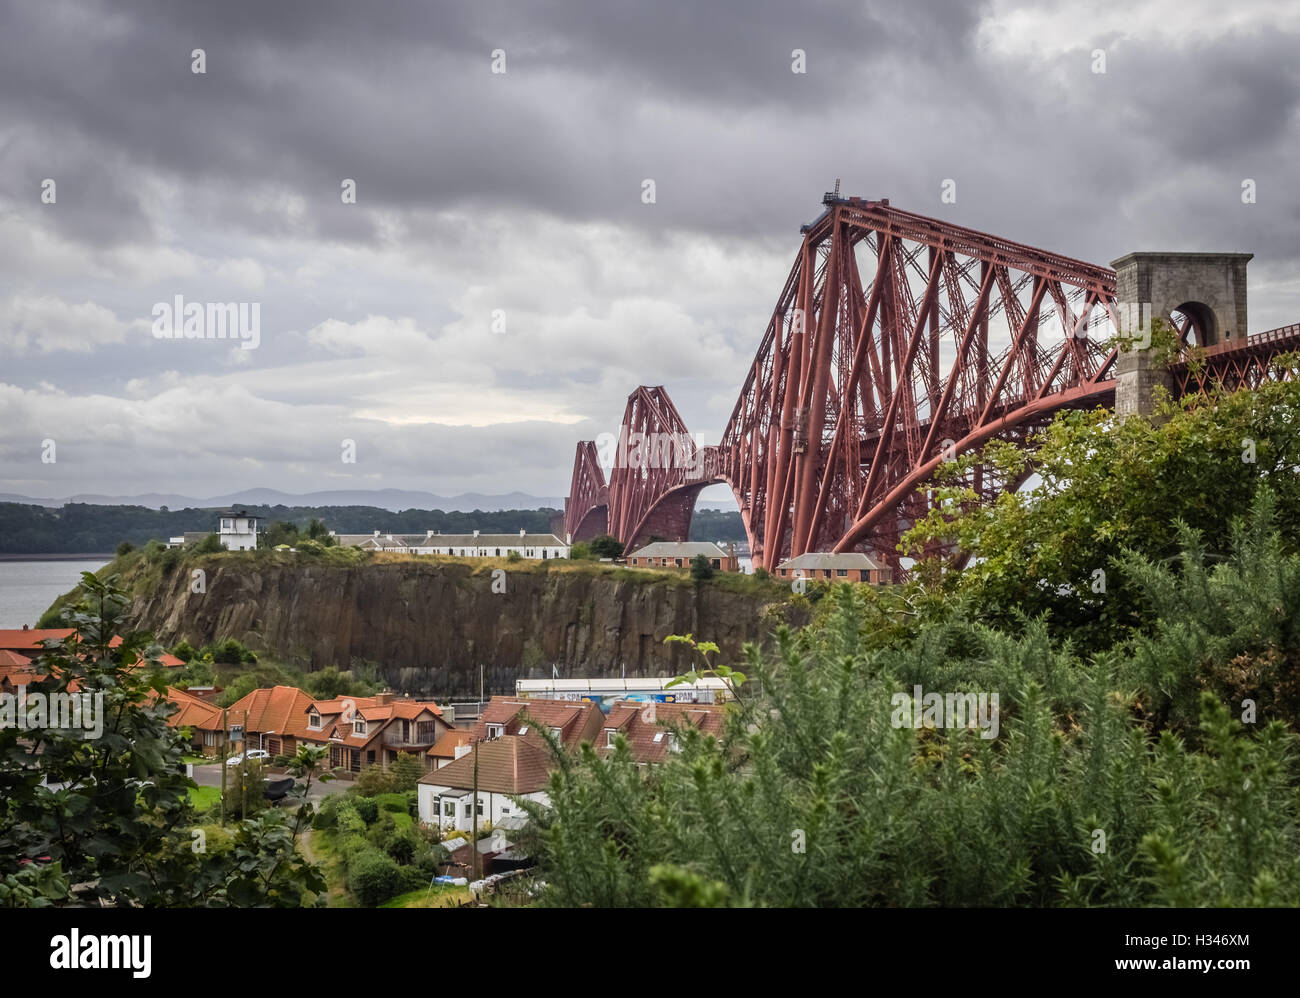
point(29, 528)
point(390, 499)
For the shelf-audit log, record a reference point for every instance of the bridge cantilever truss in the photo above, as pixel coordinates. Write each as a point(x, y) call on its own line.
point(898, 342)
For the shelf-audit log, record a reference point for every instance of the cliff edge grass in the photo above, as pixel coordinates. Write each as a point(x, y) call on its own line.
point(143, 570)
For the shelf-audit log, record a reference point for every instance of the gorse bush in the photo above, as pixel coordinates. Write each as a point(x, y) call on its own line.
point(1122, 779)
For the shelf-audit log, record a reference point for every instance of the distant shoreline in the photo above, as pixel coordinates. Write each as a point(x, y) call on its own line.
point(92, 556)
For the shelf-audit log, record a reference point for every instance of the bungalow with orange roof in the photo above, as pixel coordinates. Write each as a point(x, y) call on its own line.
point(276, 719)
point(199, 717)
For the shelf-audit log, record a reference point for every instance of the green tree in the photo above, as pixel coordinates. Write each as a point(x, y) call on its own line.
point(605, 546)
point(1105, 486)
point(701, 569)
point(279, 532)
point(405, 771)
point(107, 818)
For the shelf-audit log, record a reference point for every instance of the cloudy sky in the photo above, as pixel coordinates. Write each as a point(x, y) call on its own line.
point(517, 196)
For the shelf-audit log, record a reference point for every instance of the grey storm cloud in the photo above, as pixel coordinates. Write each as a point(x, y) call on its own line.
point(519, 194)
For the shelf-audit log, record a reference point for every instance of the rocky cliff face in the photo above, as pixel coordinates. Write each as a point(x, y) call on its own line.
point(427, 626)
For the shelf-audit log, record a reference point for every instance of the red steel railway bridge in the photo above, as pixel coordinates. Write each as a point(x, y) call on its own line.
point(897, 343)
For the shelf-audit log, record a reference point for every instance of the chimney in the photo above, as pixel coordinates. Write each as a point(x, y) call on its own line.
point(376, 533)
point(522, 532)
point(476, 533)
point(24, 627)
point(428, 534)
point(383, 699)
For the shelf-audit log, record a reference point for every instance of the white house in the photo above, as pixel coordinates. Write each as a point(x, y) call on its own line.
point(508, 767)
point(237, 530)
point(475, 545)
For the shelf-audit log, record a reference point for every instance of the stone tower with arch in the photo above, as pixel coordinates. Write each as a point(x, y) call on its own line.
point(1202, 295)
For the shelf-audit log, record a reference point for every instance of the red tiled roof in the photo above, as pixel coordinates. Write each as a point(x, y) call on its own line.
point(640, 725)
point(12, 660)
point(281, 709)
point(21, 640)
point(578, 720)
point(445, 747)
point(193, 712)
point(411, 709)
point(509, 765)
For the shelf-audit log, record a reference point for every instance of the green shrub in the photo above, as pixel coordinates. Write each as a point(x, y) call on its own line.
point(350, 822)
point(373, 877)
point(209, 545)
point(327, 814)
point(392, 802)
point(405, 772)
point(373, 781)
point(701, 568)
point(367, 808)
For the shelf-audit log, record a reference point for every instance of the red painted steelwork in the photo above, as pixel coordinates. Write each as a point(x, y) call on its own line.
point(898, 342)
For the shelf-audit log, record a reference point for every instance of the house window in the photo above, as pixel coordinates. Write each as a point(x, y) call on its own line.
point(359, 727)
point(717, 563)
point(498, 552)
point(313, 721)
point(659, 736)
point(523, 730)
point(496, 730)
point(555, 733)
point(841, 572)
point(479, 808)
point(370, 758)
point(505, 810)
point(609, 737)
point(227, 524)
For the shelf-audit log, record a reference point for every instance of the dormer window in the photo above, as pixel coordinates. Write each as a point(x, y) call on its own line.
point(609, 737)
point(555, 733)
point(313, 720)
point(359, 726)
point(496, 730)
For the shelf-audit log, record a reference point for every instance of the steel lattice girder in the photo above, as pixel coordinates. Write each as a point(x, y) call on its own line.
point(898, 342)
point(881, 359)
point(586, 508)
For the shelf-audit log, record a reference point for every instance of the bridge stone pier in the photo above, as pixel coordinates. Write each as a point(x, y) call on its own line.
point(1203, 295)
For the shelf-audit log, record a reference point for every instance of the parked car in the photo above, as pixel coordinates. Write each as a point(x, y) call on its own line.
point(256, 753)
